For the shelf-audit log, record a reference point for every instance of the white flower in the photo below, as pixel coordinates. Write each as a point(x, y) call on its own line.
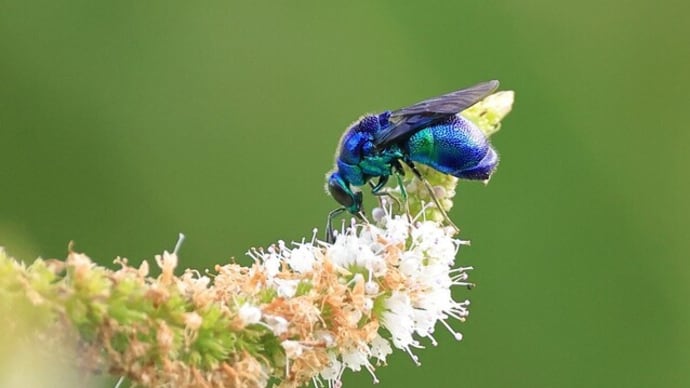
point(351, 250)
point(356, 358)
point(269, 261)
point(371, 288)
point(399, 320)
point(334, 368)
point(293, 349)
point(286, 287)
point(435, 242)
point(278, 325)
point(271, 265)
point(397, 229)
point(249, 314)
point(380, 348)
point(302, 258)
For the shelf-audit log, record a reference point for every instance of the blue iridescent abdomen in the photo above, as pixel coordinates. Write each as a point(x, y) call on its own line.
point(455, 147)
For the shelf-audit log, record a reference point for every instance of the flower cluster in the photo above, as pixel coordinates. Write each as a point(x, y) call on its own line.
point(302, 312)
point(341, 306)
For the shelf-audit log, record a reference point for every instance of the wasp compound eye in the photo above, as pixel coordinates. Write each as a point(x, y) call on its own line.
point(341, 192)
point(340, 195)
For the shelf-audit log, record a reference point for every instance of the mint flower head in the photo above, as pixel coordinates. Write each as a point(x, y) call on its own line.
point(302, 313)
point(347, 304)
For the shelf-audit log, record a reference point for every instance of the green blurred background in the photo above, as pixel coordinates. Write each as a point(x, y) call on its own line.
point(123, 123)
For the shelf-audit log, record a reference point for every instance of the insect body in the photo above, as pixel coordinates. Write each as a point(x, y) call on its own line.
point(429, 132)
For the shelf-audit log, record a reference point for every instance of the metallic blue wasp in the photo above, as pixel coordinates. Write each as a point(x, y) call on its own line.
point(429, 132)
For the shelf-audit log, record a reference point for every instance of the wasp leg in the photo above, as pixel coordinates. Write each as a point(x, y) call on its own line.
point(399, 174)
point(433, 196)
point(330, 236)
point(403, 193)
point(376, 190)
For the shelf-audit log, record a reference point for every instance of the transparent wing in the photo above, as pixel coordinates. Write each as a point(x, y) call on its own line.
point(407, 121)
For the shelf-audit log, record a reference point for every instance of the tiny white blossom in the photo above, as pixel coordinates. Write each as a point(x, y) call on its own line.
point(325, 337)
point(272, 266)
point(249, 314)
point(194, 283)
point(286, 287)
point(278, 324)
point(350, 250)
point(293, 349)
point(302, 259)
point(380, 348)
point(397, 229)
point(356, 358)
point(378, 214)
point(399, 320)
point(371, 288)
point(334, 368)
point(435, 242)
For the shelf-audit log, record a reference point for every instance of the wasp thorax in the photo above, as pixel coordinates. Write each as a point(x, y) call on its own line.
point(370, 124)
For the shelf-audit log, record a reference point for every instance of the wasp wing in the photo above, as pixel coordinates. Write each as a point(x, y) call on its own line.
point(405, 122)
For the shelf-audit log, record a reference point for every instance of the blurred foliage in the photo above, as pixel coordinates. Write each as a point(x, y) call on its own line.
point(124, 123)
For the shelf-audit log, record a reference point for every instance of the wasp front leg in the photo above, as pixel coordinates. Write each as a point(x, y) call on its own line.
point(378, 190)
point(330, 234)
point(403, 194)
